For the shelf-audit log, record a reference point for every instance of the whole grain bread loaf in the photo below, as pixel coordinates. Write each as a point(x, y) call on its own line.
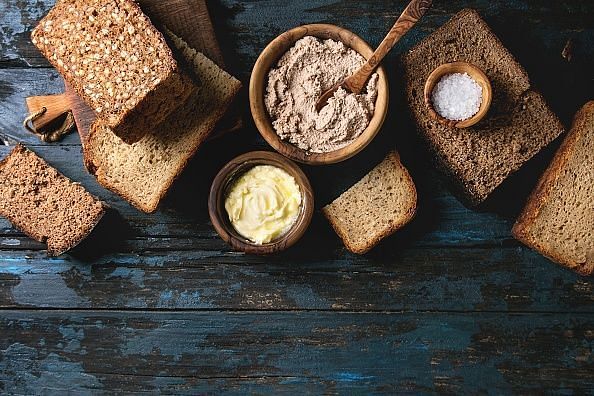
point(44, 204)
point(518, 125)
point(143, 172)
point(379, 204)
point(116, 60)
point(558, 220)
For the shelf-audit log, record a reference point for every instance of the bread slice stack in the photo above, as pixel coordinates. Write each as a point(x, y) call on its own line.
point(117, 62)
point(151, 115)
point(518, 125)
point(558, 220)
point(44, 204)
point(143, 172)
point(379, 204)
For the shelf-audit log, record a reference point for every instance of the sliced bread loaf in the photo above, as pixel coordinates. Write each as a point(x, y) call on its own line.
point(558, 219)
point(143, 172)
point(519, 123)
point(44, 204)
point(380, 203)
point(116, 60)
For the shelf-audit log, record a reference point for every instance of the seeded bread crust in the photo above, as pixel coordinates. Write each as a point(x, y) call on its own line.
point(519, 124)
point(27, 194)
point(116, 60)
point(542, 194)
point(157, 160)
point(329, 211)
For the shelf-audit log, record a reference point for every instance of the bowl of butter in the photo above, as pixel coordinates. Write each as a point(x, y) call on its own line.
point(260, 203)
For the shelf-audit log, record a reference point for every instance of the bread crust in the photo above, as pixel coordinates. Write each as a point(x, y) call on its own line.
point(459, 15)
point(29, 230)
point(92, 163)
point(541, 194)
point(135, 123)
point(409, 215)
point(131, 123)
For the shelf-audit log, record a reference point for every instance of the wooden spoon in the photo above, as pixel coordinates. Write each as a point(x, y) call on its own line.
point(355, 83)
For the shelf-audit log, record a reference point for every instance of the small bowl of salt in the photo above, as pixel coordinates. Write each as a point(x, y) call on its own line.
point(458, 94)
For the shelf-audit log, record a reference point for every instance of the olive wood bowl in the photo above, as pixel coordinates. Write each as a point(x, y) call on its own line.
point(459, 67)
point(223, 181)
point(269, 58)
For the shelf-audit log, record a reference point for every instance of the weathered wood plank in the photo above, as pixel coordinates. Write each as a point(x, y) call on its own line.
point(269, 353)
point(506, 279)
point(427, 311)
point(17, 19)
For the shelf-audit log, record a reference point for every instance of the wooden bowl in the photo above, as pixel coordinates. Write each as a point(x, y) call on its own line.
point(225, 178)
point(269, 58)
point(476, 74)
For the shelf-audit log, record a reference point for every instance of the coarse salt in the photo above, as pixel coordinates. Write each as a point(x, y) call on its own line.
point(457, 96)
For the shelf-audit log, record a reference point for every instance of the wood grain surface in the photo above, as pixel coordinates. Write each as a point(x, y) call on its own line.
point(159, 303)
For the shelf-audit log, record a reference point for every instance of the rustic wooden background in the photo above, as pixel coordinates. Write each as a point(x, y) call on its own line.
point(450, 304)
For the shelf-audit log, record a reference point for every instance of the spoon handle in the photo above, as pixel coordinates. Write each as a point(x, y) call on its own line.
point(411, 14)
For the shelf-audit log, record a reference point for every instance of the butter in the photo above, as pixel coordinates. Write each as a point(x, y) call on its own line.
point(263, 203)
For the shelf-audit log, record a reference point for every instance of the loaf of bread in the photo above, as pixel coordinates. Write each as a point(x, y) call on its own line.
point(518, 125)
point(116, 60)
point(558, 220)
point(44, 204)
point(382, 202)
point(143, 172)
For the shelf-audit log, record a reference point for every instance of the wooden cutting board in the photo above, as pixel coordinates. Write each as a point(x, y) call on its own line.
point(188, 19)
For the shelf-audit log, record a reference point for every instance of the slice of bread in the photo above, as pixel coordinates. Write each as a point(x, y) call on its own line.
point(380, 203)
point(143, 172)
point(44, 204)
point(519, 122)
point(116, 60)
point(558, 220)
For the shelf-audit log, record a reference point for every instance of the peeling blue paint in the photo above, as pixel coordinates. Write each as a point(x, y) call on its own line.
point(161, 341)
point(183, 299)
point(168, 384)
point(46, 290)
point(17, 21)
point(10, 242)
point(352, 377)
point(25, 370)
point(72, 338)
point(305, 297)
point(165, 297)
point(134, 275)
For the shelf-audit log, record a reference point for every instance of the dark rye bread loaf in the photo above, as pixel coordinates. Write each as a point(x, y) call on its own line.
point(116, 60)
point(143, 172)
point(44, 204)
point(379, 204)
point(558, 220)
point(519, 123)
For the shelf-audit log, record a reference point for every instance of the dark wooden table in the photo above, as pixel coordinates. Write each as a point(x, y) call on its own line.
point(159, 303)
